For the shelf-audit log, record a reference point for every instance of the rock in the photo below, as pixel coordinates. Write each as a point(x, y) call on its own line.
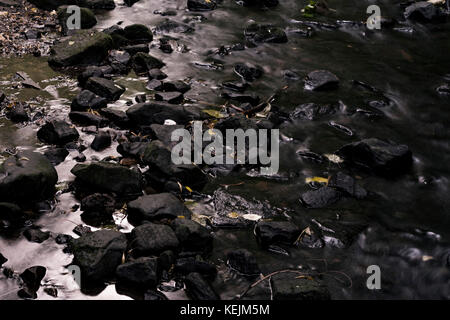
point(85, 47)
point(32, 278)
point(130, 3)
point(57, 132)
point(93, 4)
point(171, 26)
point(118, 117)
point(53, 292)
point(192, 236)
point(321, 80)
point(80, 157)
point(17, 113)
point(443, 89)
point(99, 253)
point(101, 141)
point(10, 213)
point(163, 133)
point(84, 118)
point(93, 71)
point(157, 74)
point(157, 112)
point(311, 111)
point(201, 5)
point(132, 149)
point(264, 33)
point(423, 11)
point(2, 97)
point(81, 230)
point(272, 232)
point(179, 86)
point(50, 4)
point(156, 207)
point(119, 61)
point(87, 100)
point(185, 266)
point(248, 72)
point(198, 288)
point(287, 286)
point(87, 18)
point(27, 81)
point(143, 62)
point(338, 232)
point(235, 86)
point(56, 155)
point(97, 4)
point(321, 197)
point(243, 261)
point(347, 184)
point(98, 205)
point(2, 259)
point(133, 49)
point(154, 85)
point(141, 273)
point(169, 97)
point(140, 98)
point(152, 239)
point(104, 88)
point(267, 3)
point(379, 156)
point(154, 296)
point(109, 177)
point(138, 33)
point(27, 176)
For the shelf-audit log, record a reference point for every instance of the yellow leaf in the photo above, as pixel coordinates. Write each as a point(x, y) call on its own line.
point(181, 217)
point(188, 189)
point(214, 113)
point(233, 215)
point(317, 179)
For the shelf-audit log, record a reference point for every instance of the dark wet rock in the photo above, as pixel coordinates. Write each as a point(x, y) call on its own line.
point(2, 259)
point(104, 88)
point(83, 48)
point(97, 4)
point(243, 261)
point(235, 86)
point(321, 197)
point(264, 33)
point(443, 89)
point(152, 295)
point(192, 236)
point(101, 141)
point(140, 98)
point(27, 176)
point(93, 71)
point(10, 214)
point(179, 86)
point(169, 97)
point(53, 292)
point(380, 156)
point(138, 33)
point(81, 230)
point(170, 26)
point(163, 133)
point(84, 118)
point(143, 62)
point(155, 85)
point(272, 232)
point(156, 74)
point(156, 207)
point(132, 149)
point(133, 49)
point(158, 157)
point(267, 3)
point(243, 98)
point(248, 72)
point(130, 3)
point(17, 113)
point(185, 266)
point(347, 185)
point(98, 206)
point(32, 278)
point(157, 112)
point(321, 80)
point(2, 97)
point(87, 18)
point(141, 273)
point(198, 288)
point(201, 5)
point(80, 157)
point(166, 260)
point(165, 46)
point(423, 11)
point(56, 155)
point(152, 239)
point(87, 100)
point(311, 111)
point(109, 177)
point(118, 117)
point(99, 253)
point(119, 61)
point(36, 235)
point(49, 4)
point(288, 286)
point(235, 122)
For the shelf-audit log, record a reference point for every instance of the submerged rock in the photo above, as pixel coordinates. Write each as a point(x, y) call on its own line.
point(198, 288)
point(248, 72)
point(156, 207)
point(311, 111)
point(152, 239)
point(192, 236)
point(27, 176)
point(347, 184)
point(83, 48)
point(272, 232)
point(243, 261)
point(99, 253)
point(264, 33)
point(109, 177)
point(423, 11)
point(185, 266)
point(171, 26)
point(321, 80)
point(379, 156)
point(321, 197)
point(288, 286)
point(84, 118)
point(141, 273)
point(36, 235)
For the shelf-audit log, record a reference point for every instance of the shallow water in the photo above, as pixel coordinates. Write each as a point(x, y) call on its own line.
point(408, 220)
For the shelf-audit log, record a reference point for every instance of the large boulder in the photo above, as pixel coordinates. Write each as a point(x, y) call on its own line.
point(152, 239)
point(99, 253)
point(192, 236)
point(377, 155)
point(138, 33)
point(83, 48)
point(156, 207)
point(27, 176)
point(57, 132)
point(157, 112)
point(109, 177)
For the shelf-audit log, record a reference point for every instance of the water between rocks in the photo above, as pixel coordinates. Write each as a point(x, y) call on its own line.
point(408, 224)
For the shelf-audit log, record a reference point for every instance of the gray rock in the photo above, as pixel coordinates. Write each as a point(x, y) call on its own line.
point(287, 286)
point(87, 100)
point(321, 197)
point(57, 132)
point(321, 80)
point(105, 88)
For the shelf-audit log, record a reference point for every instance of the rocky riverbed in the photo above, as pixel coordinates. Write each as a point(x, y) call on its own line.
point(87, 184)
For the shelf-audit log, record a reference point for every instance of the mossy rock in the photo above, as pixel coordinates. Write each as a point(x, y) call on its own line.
point(138, 33)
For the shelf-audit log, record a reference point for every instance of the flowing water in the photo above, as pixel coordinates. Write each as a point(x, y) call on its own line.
point(407, 219)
